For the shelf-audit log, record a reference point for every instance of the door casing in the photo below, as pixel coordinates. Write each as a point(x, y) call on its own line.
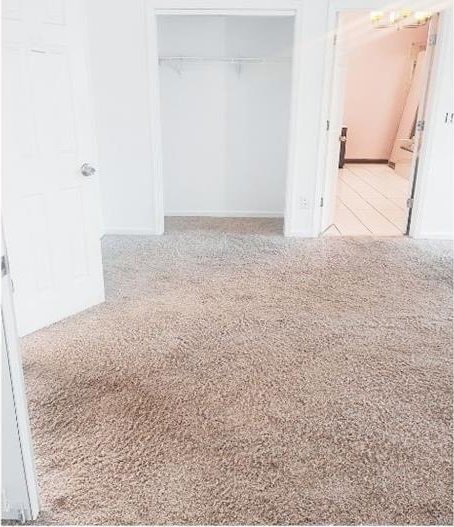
point(20, 500)
point(297, 128)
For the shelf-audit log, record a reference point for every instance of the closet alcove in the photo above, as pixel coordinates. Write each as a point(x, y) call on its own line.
point(225, 85)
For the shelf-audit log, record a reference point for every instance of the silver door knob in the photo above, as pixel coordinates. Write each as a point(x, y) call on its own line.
point(87, 170)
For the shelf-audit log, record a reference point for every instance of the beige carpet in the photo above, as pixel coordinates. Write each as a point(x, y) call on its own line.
point(237, 377)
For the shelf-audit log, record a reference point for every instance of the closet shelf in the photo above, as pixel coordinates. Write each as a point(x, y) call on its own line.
point(228, 60)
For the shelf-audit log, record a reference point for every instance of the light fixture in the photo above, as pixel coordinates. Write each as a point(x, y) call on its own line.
point(376, 16)
point(421, 17)
point(403, 18)
point(396, 17)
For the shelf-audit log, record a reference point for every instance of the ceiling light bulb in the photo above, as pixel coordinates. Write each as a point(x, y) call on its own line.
point(376, 16)
point(422, 17)
point(405, 13)
point(393, 17)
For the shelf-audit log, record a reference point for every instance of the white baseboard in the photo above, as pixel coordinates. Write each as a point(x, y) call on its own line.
point(226, 214)
point(132, 232)
point(434, 236)
point(296, 234)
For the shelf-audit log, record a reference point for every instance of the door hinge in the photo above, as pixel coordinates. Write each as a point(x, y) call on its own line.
point(21, 516)
point(321, 202)
point(410, 202)
point(4, 266)
point(432, 40)
point(334, 39)
point(420, 125)
point(5, 271)
point(327, 126)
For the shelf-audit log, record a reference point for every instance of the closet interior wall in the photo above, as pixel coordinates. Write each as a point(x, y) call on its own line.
point(225, 124)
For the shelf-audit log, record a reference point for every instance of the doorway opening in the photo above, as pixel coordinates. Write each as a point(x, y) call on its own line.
point(225, 89)
point(380, 78)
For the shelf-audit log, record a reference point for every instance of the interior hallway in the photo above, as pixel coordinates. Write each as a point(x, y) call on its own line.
point(371, 200)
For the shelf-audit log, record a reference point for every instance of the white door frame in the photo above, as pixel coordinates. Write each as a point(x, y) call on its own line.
point(20, 500)
point(153, 8)
point(432, 95)
point(337, 7)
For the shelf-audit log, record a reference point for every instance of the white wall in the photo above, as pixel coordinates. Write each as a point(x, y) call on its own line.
point(302, 205)
point(119, 74)
point(192, 115)
point(119, 78)
point(119, 71)
point(224, 132)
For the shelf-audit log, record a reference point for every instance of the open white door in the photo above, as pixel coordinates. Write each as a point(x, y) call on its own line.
point(422, 111)
point(19, 486)
point(51, 207)
point(338, 58)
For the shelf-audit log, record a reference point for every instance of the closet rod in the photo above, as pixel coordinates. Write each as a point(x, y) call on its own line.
point(230, 60)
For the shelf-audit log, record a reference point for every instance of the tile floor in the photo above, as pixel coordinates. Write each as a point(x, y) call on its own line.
point(371, 200)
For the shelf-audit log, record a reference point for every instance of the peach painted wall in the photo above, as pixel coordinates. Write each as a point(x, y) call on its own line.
point(376, 83)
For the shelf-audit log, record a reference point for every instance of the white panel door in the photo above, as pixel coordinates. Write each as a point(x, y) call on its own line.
point(336, 114)
point(51, 211)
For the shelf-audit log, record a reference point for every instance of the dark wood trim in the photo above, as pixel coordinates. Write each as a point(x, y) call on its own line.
point(375, 161)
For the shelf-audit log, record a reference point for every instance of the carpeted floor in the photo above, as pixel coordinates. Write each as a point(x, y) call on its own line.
point(237, 377)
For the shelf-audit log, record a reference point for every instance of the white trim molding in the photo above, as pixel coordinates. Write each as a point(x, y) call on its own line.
point(155, 8)
point(448, 236)
point(131, 232)
point(20, 499)
point(425, 166)
point(226, 213)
